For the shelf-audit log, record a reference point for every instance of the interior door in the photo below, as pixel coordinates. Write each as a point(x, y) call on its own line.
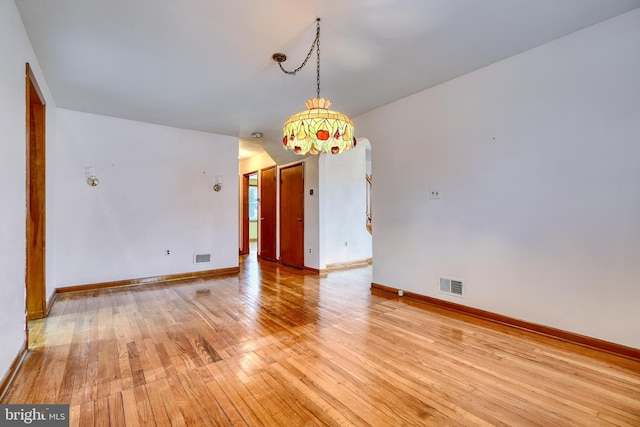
point(292, 216)
point(267, 229)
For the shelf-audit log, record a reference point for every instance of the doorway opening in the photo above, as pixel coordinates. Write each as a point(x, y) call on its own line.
point(249, 213)
point(253, 213)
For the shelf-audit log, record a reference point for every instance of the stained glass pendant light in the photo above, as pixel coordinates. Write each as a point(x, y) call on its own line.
point(316, 129)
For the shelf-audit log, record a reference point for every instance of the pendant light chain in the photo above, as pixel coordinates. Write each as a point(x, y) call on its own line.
point(316, 45)
point(318, 57)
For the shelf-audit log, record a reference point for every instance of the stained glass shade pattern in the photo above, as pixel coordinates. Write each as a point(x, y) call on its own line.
point(318, 130)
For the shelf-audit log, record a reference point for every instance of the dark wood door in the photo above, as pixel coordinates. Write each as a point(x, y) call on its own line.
point(267, 229)
point(292, 216)
point(36, 215)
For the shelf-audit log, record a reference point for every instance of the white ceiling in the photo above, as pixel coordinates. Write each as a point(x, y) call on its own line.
point(206, 64)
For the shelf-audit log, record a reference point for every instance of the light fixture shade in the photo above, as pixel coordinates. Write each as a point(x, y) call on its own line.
point(318, 130)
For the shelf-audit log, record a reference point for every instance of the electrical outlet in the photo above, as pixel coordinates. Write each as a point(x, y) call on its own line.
point(345, 243)
point(309, 250)
point(434, 193)
point(167, 252)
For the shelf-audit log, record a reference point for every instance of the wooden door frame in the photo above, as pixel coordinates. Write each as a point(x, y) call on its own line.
point(245, 211)
point(35, 172)
point(244, 218)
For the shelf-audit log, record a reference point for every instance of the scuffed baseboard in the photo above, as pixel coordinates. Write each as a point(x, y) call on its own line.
point(12, 371)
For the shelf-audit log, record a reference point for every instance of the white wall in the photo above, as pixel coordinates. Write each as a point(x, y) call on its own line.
point(255, 163)
point(343, 207)
point(15, 52)
point(537, 158)
point(312, 236)
point(155, 194)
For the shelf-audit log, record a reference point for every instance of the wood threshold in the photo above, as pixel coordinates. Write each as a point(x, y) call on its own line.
point(571, 337)
point(347, 265)
point(148, 280)
point(13, 370)
point(339, 266)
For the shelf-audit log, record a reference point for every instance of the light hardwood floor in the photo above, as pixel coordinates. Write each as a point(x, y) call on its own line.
point(276, 347)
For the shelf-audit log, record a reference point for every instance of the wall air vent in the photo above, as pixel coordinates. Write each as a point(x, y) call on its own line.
point(451, 286)
point(200, 258)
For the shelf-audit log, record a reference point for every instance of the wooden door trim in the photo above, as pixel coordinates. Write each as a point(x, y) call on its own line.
point(246, 183)
point(35, 168)
point(244, 216)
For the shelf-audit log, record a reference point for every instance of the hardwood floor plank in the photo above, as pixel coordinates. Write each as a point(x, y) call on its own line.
point(322, 407)
point(116, 410)
point(288, 394)
point(234, 386)
point(150, 362)
point(74, 416)
point(199, 394)
point(143, 405)
point(340, 394)
point(106, 369)
point(275, 346)
point(87, 414)
point(229, 408)
point(166, 411)
point(130, 409)
point(233, 394)
point(124, 366)
point(136, 366)
point(101, 412)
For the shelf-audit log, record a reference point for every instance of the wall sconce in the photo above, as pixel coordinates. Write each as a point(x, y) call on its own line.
point(92, 179)
point(217, 186)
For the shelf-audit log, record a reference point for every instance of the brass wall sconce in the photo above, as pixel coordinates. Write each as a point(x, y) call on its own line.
point(217, 186)
point(92, 179)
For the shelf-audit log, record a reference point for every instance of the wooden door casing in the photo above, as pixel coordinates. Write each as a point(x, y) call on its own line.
point(292, 215)
point(36, 200)
point(244, 249)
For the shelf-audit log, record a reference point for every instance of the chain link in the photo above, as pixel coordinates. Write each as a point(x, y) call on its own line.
point(318, 58)
point(316, 45)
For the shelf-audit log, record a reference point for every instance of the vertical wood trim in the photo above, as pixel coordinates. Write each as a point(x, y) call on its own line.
point(35, 142)
point(36, 87)
point(244, 250)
